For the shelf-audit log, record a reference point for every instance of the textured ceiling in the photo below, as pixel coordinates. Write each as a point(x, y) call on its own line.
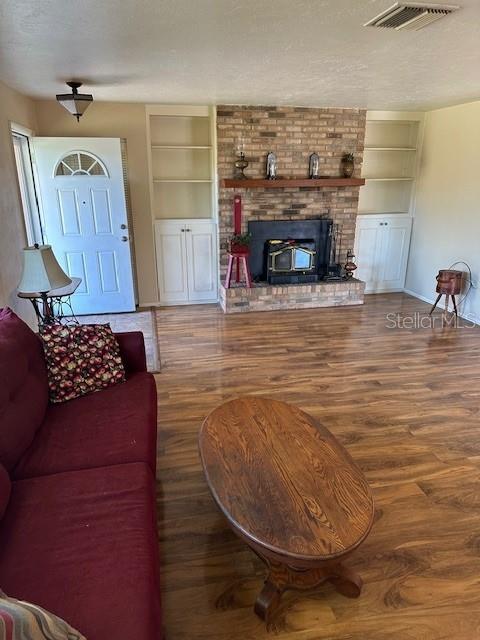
point(301, 52)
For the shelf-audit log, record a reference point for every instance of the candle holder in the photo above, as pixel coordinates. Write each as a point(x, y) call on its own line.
point(241, 164)
point(350, 265)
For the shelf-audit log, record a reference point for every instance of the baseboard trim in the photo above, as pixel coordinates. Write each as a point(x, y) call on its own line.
point(423, 298)
point(470, 317)
point(178, 304)
point(374, 292)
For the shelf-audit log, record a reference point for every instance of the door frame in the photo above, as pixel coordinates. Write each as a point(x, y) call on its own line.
point(27, 183)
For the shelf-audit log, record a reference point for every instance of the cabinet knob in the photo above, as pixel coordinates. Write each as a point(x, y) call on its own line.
point(123, 226)
point(183, 230)
point(124, 239)
point(187, 229)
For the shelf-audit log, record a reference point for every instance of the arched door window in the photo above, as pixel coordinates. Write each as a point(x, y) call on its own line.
point(80, 163)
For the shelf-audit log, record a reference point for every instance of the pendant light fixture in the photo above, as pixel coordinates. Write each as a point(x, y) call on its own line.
point(75, 103)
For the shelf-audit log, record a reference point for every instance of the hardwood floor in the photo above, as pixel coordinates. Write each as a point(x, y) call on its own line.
point(404, 402)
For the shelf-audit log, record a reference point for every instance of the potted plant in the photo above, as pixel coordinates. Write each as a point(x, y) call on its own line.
point(348, 165)
point(240, 242)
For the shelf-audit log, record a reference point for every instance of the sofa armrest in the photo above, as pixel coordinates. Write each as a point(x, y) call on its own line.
point(132, 351)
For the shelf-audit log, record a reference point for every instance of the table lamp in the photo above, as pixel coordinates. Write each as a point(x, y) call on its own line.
point(42, 274)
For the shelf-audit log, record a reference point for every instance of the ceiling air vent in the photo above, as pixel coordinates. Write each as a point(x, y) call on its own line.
point(414, 15)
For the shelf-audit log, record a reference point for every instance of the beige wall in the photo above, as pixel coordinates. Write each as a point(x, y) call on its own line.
point(447, 220)
point(19, 109)
point(116, 120)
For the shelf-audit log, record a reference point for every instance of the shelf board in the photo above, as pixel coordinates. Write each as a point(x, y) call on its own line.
point(367, 148)
point(181, 146)
point(178, 180)
point(387, 179)
point(183, 217)
point(383, 213)
point(281, 183)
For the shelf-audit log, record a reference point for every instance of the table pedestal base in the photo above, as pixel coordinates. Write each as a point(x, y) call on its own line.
point(281, 578)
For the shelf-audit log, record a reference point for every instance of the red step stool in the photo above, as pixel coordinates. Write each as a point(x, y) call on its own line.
point(238, 258)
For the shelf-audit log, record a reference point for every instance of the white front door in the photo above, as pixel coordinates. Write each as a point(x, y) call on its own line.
point(84, 217)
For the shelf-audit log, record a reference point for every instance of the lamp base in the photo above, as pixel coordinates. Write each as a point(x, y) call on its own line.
point(47, 311)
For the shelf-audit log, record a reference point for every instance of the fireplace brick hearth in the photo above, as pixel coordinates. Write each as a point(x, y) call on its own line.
point(263, 297)
point(293, 133)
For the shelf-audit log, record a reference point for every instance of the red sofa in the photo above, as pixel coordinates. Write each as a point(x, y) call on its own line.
point(78, 531)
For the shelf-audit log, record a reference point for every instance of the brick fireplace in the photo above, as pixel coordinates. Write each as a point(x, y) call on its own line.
point(292, 133)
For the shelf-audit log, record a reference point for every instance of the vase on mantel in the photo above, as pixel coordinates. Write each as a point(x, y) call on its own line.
point(348, 165)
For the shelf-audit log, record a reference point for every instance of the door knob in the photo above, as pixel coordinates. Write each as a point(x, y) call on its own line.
point(123, 226)
point(124, 238)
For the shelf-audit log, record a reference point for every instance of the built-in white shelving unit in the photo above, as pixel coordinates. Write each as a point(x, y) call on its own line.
point(390, 162)
point(387, 200)
point(182, 166)
point(182, 163)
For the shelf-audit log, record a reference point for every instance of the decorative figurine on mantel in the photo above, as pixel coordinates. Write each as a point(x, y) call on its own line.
point(314, 166)
point(350, 265)
point(348, 165)
point(241, 163)
point(271, 166)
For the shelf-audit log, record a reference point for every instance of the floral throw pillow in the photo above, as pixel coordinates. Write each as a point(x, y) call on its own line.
point(80, 359)
point(21, 620)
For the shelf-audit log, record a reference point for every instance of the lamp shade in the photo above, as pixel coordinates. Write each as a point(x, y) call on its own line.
point(41, 271)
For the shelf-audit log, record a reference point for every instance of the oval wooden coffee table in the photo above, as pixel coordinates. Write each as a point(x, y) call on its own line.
point(290, 491)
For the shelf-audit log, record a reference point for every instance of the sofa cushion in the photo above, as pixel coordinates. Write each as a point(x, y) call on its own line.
point(22, 620)
point(23, 387)
point(132, 351)
point(80, 359)
point(114, 426)
point(83, 545)
point(5, 490)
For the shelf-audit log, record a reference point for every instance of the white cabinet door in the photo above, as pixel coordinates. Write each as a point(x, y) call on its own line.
point(394, 255)
point(368, 242)
point(201, 261)
point(381, 248)
point(171, 261)
point(186, 261)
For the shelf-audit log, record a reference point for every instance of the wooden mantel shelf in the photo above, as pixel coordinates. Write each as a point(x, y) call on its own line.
point(282, 183)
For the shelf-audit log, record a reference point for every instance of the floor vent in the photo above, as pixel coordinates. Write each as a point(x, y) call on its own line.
point(413, 16)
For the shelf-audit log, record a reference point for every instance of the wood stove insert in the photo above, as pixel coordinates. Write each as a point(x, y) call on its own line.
point(289, 251)
point(291, 261)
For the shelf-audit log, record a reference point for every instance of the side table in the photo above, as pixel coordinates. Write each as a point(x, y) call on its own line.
point(44, 303)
